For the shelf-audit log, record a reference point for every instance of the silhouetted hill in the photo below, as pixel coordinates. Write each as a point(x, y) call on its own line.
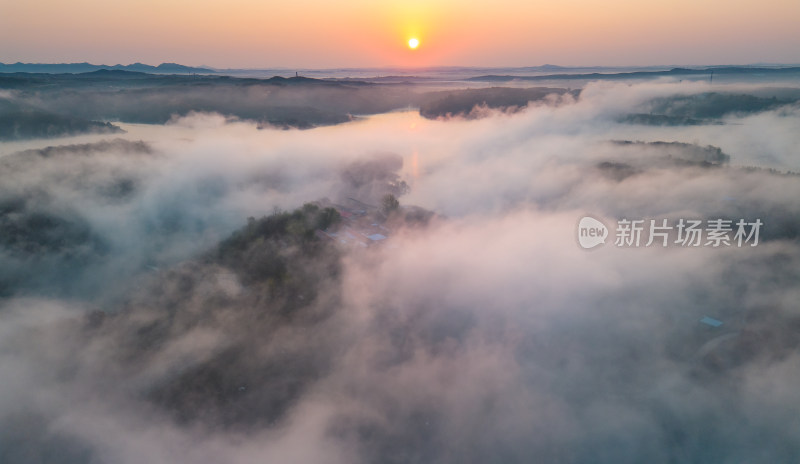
point(131, 96)
point(464, 102)
point(722, 70)
point(56, 68)
point(20, 125)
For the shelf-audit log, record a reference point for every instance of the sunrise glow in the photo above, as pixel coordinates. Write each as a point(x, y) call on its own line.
point(247, 33)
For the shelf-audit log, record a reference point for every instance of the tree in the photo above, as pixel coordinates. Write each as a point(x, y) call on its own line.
point(389, 204)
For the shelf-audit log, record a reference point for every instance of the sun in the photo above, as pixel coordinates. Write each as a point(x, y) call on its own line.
point(413, 43)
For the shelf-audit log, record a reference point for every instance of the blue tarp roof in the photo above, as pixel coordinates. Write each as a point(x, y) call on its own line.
point(711, 321)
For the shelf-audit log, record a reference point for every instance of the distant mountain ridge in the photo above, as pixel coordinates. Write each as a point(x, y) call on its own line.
point(719, 70)
point(59, 68)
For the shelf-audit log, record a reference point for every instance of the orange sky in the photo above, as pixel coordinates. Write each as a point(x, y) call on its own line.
point(327, 33)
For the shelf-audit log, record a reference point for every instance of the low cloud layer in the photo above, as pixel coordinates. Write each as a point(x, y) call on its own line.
point(144, 318)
